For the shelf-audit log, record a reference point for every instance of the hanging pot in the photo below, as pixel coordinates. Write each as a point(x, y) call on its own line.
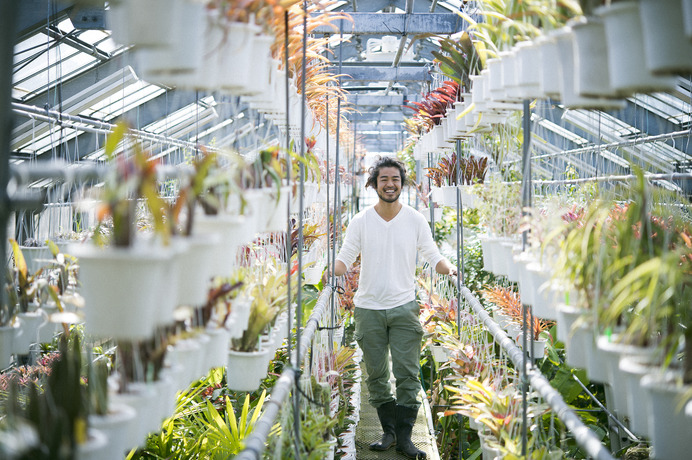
point(638, 399)
point(7, 337)
point(570, 98)
point(189, 355)
point(592, 77)
point(666, 48)
point(232, 232)
point(487, 249)
point(122, 288)
point(669, 427)
point(217, 347)
point(550, 69)
point(577, 335)
point(143, 399)
point(528, 68)
point(180, 61)
point(236, 60)
point(437, 214)
point(130, 22)
point(687, 17)
point(246, 370)
point(169, 297)
point(94, 448)
point(261, 62)
point(449, 196)
point(497, 91)
point(195, 269)
point(508, 61)
point(31, 324)
point(116, 425)
point(626, 62)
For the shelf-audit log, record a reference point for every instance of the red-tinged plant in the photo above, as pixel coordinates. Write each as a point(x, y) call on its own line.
point(509, 302)
point(445, 173)
point(432, 109)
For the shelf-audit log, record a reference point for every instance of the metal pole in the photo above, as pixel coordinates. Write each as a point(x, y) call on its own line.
point(289, 241)
point(299, 300)
point(526, 202)
point(337, 202)
point(8, 19)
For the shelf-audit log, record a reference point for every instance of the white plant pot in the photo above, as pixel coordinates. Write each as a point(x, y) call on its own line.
point(439, 353)
point(7, 337)
point(240, 314)
point(195, 270)
point(449, 195)
point(550, 74)
point(31, 324)
point(143, 399)
point(638, 399)
point(121, 289)
point(169, 298)
point(246, 369)
point(437, 214)
point(687, 17)
point(577, 335)
point(130, 22)
point(592, 78)
point(528, 68)
point(611, 352)
point(188, 355)
point(116, 425)
point(666, 48)
point(626, 62)
point(669, 427)
point(95, 447)
point(313, 274)
point(436, 195)
point(237, 58)
point(36, 257)
point(217, 347)
point(261, 62)
point(180, 60)
point(546, 297)
point(538, 346)
point(570, 98)
point(487, 249)
point(233, 233)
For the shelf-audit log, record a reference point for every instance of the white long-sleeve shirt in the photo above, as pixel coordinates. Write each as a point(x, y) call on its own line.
point(388, 255)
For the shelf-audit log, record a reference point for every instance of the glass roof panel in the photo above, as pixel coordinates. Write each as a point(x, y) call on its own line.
point(130, 97)
point(665, 106)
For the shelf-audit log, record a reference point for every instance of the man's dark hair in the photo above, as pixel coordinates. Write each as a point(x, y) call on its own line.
point(386, 162)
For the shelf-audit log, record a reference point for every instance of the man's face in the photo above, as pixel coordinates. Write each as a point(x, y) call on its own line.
point(389, 184)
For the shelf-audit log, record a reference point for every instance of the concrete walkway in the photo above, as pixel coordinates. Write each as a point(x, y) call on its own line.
point(369, 430)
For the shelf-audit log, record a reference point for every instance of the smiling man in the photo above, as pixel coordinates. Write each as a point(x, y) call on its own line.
point(388, 236)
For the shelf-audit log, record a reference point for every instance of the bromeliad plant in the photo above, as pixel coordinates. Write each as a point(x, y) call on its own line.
point(433, 108)
point(510, 304)
point(445, 173)
point(130, 179)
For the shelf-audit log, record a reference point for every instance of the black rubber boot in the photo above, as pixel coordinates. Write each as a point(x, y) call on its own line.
point(387, 415)
point(405, 419)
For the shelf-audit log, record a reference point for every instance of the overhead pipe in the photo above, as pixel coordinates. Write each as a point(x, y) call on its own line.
point(96, 126)
point(613, 145)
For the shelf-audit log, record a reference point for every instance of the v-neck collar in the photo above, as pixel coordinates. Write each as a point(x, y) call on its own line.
point(392, 219)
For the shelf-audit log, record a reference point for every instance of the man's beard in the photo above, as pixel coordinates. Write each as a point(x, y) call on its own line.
point(388, 200)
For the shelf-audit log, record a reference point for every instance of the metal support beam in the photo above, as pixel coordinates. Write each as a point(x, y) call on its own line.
point(375, 100)
point(398, 74)
point(396, 24)
point(375, 116)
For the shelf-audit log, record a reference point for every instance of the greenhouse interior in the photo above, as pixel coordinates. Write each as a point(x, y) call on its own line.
point(454, 229)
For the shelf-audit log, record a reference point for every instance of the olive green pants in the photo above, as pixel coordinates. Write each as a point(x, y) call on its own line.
point(397, 330)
